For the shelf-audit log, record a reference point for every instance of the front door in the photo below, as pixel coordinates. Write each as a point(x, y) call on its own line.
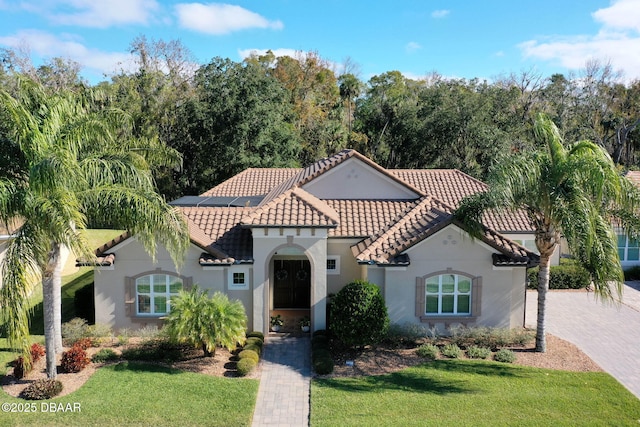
point(292, 284)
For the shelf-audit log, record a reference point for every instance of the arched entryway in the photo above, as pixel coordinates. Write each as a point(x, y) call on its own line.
point(290, 295)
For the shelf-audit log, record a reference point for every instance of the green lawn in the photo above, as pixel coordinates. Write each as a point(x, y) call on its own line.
point(137, 394)
point(474, 393)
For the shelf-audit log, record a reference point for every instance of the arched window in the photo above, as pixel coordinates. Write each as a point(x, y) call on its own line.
point(154, 292)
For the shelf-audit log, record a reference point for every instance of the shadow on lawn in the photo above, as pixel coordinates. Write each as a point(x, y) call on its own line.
point(144, 367)
point(424, 378)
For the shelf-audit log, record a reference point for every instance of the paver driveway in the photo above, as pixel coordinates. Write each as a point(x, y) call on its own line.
point(608, 333)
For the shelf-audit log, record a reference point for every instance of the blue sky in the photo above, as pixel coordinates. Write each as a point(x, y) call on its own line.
point(455, 38)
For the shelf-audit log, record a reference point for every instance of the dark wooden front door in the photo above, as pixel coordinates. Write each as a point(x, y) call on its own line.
point(292, 284)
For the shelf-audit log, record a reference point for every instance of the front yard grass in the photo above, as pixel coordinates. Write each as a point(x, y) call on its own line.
point(139, 394)
point(473, 393)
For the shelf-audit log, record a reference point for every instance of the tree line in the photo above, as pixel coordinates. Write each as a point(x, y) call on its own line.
point(266, 111)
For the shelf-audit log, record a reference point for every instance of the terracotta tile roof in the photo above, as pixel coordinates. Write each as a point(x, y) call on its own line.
point(452, 185)
point(293, 208)
point(364, 218)
point(252, 182)
point(427, 217)
point(218, 231)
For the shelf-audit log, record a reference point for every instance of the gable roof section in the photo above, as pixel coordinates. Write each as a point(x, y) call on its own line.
point(293, 208)
point(425, 218)
point(320, 167)
point(218, 232)
point(364, 218)
point(453, 185)
point(252, 182)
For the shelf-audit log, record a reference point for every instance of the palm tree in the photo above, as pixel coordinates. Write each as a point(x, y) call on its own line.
point(572, 192)
point(206, 322)
point(79, 162)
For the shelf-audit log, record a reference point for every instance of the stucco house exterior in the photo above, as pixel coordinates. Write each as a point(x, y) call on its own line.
point(283, 241)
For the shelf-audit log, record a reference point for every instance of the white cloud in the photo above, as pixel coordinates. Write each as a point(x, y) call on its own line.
point(47, 45)
point(412, 47)
point(440, 13)
point(623, 14)
point(219, 18)
point(96, 14)
point(617, 42)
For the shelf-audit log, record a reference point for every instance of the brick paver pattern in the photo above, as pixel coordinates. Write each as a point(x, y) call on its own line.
point(283, 395)
point(608, 333)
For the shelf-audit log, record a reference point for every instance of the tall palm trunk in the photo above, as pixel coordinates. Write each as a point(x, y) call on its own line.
point(543, 287)
point(52, 307)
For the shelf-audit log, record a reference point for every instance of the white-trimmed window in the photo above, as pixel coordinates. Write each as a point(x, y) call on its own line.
point(333, 264)
point(154, 292)
point(238, 278)
point(448, 294)
point(628, 249)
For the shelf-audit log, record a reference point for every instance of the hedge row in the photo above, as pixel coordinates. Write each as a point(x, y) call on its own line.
point(249, 356)
point(567, 275)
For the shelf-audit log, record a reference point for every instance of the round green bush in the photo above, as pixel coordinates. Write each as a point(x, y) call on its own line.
point(504, 355)
point(321, 353)
point(254, 347)
point(256, 334)
point(428, 351)
point(323, 365)
point(359, 315)
point(319, 341)
point(248, 354)
point(475, 352)
point(254, 340)
point(452, 351)
point(245, 366)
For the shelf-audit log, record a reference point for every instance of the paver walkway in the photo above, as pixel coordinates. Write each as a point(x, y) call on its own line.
point(283, 395)
point(609, 334)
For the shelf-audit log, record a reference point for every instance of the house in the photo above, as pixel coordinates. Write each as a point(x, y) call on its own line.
point(629, 248)
point(283, 241)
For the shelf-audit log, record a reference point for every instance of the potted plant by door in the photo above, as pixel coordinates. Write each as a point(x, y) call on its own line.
point(305, 324)
point(276, 323)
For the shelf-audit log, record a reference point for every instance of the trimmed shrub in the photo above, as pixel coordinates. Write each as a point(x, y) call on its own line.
point(245, 366)
point(250, 354)
point(254, 341)
point(42, 389)
point(321, 353)
point(104, 355)
point(256, 334)
point(37, 352)
point(323, 365)
point(428, 351)
point(504, 355)
point(475, 352)
point(319, 341)
point(123, 336)
point(452, 351)
point(73, 330)
point(407, 334)
point(74, 360)
point(494, 338)
point(568, 275)
point(99, 333)
point(359, 315)
point(253, 347)
point(155, 351)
